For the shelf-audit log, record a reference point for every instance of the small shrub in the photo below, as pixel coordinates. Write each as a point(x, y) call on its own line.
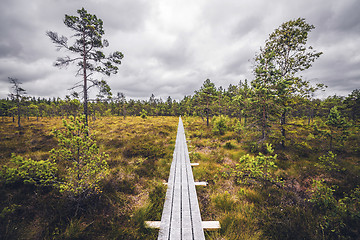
point(252, 147)
point(217, 155)
point(239, 128)
point(256, 168)
point(219, 125)
point(39, 173)
point(322, 196)
point(143, 114)
point(289, 222)
point(339, 219)
point(250, 195)
point(85, 165)
point(9, 210)
point(157, 198)
point(76, 229)
point(229, 145)
point(328, 163)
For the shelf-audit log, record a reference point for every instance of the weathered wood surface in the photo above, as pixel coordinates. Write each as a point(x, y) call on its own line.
point(181, 217)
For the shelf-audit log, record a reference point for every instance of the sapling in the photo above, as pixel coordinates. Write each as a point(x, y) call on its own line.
point(85, 165)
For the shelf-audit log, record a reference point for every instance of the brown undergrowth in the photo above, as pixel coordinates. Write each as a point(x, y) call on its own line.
point(288, 208)
point(140, 152)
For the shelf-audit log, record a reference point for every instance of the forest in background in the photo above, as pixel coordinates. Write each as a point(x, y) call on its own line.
point(237, 101)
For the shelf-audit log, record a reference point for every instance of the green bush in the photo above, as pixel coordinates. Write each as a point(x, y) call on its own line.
point(338, 219)
point(85, 165)
point(219, 124)
point(143, 114)
point(39, 173)
point(322, 196)
point(328, 163)
point(256, 168)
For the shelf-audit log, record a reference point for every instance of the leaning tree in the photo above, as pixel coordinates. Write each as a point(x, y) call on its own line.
point(87, 54)
point(279, 63)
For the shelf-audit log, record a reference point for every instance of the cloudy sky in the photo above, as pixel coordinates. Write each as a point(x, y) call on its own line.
point(172, 46)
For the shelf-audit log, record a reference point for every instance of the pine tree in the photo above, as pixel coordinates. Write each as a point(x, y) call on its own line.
point(18, 95)
point(78, 152)
point(337, 127)
point(205, 98)
point(89, 59)
point(285, 54)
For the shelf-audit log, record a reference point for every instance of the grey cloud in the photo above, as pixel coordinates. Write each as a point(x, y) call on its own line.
point(347, 17)
point(177, 55)
point(168, 55)
point(123, 15)
point(9, 49)
point(247, 25)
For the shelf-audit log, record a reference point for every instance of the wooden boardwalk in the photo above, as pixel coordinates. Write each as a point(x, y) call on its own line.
point(181, 217)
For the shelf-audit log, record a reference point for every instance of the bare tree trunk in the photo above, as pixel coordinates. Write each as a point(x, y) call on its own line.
point(283, 131)
point(207, 111)
point(264, 122)
point(124, 111)
point(18, 113)
point(85, 83)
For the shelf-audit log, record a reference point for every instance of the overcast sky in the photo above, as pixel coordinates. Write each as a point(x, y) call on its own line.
point(172, 46)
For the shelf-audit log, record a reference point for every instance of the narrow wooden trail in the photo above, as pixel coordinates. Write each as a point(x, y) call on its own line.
point(181, 217)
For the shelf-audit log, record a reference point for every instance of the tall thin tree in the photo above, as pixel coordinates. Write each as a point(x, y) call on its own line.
point(86, 47)
point(205, 97)
point(18, 95)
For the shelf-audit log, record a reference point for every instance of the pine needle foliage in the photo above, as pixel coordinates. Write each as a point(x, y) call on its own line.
point(40, 173)
point(260, 168)
point(85, 165)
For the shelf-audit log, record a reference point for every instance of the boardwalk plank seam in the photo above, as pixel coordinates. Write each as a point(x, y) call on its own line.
point(181, 217)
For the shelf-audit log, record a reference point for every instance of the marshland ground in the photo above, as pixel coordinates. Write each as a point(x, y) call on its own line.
point(257, 189)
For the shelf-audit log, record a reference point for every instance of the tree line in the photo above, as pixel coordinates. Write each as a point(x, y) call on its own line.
point(238, 101)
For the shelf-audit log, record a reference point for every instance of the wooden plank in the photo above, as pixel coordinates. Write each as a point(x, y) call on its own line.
point(206, 225)
point(152, 224)
point(181, 217)
point(211, 225)
point(200, 183)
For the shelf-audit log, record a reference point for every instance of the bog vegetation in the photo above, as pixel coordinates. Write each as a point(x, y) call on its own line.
point(280, 163)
